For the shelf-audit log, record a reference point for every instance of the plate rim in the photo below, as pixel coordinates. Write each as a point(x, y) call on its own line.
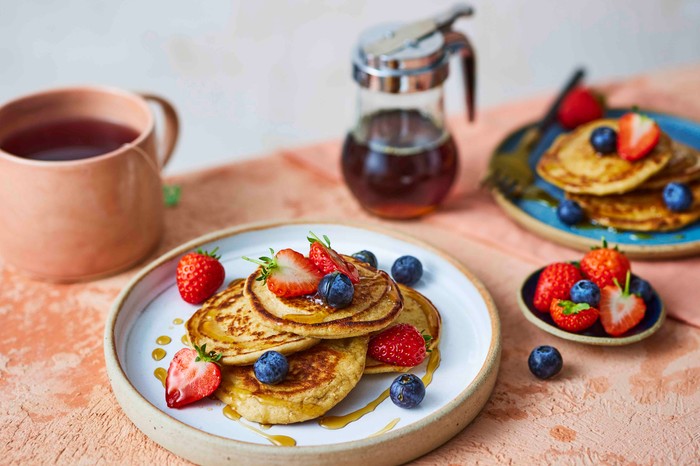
point(583, 243)
point(587, 339)
point(197, 445)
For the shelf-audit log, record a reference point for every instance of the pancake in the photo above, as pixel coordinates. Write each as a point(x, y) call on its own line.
point(573, 165)
point(226, 325)
point(684, 167)
point(318, 379)
point(419, 312)
point(638, 211)
point(377, 302)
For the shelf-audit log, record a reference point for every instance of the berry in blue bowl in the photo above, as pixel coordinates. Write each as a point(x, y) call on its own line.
point(641, 288)
point(407, 391)
point(585, 291)
point(407, 270)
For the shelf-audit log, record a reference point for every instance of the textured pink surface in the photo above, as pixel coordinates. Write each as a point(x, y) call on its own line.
point(635, 404)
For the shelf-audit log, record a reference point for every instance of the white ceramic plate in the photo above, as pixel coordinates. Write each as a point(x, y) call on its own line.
point(150, 305)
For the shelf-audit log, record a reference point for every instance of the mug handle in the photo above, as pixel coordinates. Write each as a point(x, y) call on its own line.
point(171, 128)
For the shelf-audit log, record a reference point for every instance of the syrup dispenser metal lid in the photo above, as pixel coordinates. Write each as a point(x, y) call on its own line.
point(415, 57)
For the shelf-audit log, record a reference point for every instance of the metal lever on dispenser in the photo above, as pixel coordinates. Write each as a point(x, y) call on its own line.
point(457, 42)
point(444, 21)
point(408, 34)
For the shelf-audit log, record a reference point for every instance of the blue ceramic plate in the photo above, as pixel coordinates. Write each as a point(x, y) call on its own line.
point(541, 218)
point(594, 335)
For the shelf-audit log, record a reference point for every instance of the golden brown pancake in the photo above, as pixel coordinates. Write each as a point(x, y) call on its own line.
point(226, 325)
point(419, 312)
point(318, 379)
point(573, 165)
point(377, 302)
point(684, 167)
point(638, 210)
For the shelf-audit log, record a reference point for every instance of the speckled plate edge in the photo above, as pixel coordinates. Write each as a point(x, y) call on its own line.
point(394, 447)
point(587, 339)
point(581, 243)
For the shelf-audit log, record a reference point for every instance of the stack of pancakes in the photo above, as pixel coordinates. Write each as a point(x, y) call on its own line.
point(617, 193)
point(326, 348)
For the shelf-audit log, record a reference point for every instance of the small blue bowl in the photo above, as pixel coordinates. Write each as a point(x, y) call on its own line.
point(594, 335)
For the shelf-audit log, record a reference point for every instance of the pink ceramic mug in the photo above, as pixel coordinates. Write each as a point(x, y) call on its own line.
point(79, 219)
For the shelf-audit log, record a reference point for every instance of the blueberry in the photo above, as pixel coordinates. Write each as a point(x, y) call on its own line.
point(641, 288)
point(569, 212)
point(271, 368)
point(407, 391)
point(545, 362)
point(336, 290)
point(678, 197)
point(604, 140)
point(407, 270)
point(366, 256)
point(585, 291)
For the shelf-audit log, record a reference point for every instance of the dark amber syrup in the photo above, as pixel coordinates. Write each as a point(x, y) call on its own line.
point(402, 166)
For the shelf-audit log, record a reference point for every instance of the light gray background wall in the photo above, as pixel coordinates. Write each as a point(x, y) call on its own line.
point(251, 76)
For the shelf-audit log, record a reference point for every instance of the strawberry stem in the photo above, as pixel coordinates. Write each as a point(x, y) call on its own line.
point(211, 356)
point(267, 264)
point(569, 307)
point(210, 254)
point(626, 289)
point(314, 239)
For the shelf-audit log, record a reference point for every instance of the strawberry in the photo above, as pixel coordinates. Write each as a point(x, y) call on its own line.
point(580, 106)
point(603, 265)
point(199, 275)
point(328, 261)
point(192, 375)
point(288, 273)
point(620, 310)
point(400, 345)
point(555, 282)
point(571, 316)
point(637, 136)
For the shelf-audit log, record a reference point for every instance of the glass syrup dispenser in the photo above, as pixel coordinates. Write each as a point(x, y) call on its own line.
point(400, 160)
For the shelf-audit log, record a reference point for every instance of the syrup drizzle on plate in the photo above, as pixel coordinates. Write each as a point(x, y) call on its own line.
point(161, 374)
point(338, 422)
point(280, 440)
point(158, 354)
point(163, 340)
point(387, 428)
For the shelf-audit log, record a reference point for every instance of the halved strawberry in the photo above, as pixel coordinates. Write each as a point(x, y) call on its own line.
point(288, 273)
point(192, 375)
point(327, 260)
point(620, 310)
point(637, 136)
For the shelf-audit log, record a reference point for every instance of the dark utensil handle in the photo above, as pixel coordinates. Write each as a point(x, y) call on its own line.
point(551, 115)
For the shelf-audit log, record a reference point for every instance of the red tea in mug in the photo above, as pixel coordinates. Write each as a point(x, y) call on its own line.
point(71, 139)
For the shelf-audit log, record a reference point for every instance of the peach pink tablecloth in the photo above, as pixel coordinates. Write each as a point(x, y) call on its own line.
point(638, 404)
